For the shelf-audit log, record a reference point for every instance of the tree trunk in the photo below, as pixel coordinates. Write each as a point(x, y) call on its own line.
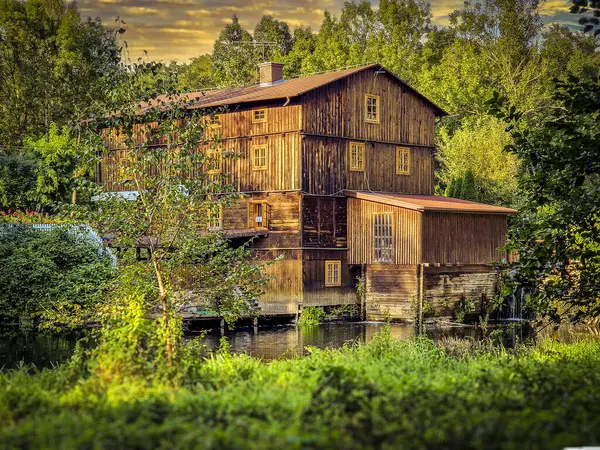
point(164, 304)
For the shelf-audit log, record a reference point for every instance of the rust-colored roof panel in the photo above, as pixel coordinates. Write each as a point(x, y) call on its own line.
point(430, 203)
point(284, 89)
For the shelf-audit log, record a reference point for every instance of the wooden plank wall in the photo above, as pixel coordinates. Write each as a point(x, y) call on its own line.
point(444, 287)
point(391, 292)
point(406, 229)
point(338, 109)
point(315, 291)
point(284, 290)
point(325, 168)
point(284, 220)
point(324, 223)
point(280, 133)
point(463, 238)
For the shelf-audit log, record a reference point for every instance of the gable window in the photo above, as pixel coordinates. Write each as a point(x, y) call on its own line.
point(259, 157)
point(357, 156)
point(259, 115)
point(371, 108)
point(258, 215)
point(333, 273)
point(402, 161)
point(215, 217)
point(383, 237)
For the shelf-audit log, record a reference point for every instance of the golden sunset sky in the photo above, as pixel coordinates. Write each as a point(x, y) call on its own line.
point(181, 29)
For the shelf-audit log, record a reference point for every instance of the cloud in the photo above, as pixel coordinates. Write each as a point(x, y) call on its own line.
point(183, 29)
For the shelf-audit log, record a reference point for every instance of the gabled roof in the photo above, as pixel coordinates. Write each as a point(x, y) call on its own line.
point(282, 90)
point(430, 203)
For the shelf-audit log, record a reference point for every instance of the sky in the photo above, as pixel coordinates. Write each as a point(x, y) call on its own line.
point(181, 29)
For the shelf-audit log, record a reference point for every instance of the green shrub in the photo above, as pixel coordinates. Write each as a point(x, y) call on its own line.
point(53, 275)
point(385, 394)
point(312, 315)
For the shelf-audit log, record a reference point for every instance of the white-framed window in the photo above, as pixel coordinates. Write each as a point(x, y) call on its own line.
point(383, 235)
point(402, 161)
point(357, 156)
point(333, 273)
point(372, 108)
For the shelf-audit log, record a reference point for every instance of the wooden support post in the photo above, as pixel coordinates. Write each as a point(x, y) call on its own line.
point(363, 295)
point(419, 301)
point(222, 326)
point(255, 324)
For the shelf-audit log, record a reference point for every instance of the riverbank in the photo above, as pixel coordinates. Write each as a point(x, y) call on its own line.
point(387, 393)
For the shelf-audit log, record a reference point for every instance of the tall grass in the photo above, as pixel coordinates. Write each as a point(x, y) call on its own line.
point(385, 394)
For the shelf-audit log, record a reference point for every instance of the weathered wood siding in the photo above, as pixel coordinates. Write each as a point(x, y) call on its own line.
point(406, 225)
point(463, 238)
point(338, 109)
point(284, 291)
point(280, 133)
point(324, 222)
point(445, 287)
point(315, 291)
point(325, 168)
point(391, 292)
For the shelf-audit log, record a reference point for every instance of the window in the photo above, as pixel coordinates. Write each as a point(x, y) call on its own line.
point(383, 237)
point(402, 161)
point(333, 273)
point(259, 115)
point(259, 157)
point(357, 156)
point(215, 217)
point(216, 121)
point(371, 108)
point(258, 215)
point(215, 161)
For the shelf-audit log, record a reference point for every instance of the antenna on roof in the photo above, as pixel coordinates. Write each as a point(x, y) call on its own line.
point(255, 44)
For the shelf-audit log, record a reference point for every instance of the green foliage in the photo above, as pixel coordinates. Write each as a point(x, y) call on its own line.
point(474, 165)
point(311, 315)
point(557, 232)
point(55, 276)
point(53, 66)
point(379, 395)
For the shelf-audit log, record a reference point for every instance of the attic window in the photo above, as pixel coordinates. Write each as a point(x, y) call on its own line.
point(371, 108)
point(259, 157)
point(333, 273)
point(402, 161)
point(259, 115)
point(357, 156)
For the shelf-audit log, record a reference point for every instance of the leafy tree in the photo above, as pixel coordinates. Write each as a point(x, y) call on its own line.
point(18, 171)
point(198, 74)
point(52, 65)
point(269, 29)
point(474, 165)
point(304, 46)
point(557, 233)
point(171, 158)
point(570, 53)
point(234, 61)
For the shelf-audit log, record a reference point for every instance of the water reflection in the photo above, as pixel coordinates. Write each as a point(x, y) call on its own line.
point(47, 350)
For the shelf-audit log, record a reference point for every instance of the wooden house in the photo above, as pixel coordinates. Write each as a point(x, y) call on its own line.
point(338, 177)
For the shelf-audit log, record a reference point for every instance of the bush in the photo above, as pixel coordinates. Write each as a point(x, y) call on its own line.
point(312, 315)
point(385, 394)
point(54, 276)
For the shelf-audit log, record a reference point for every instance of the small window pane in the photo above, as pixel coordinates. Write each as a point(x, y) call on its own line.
point(357, 156)
point(259, 115)
point(372, 108)
point(383, 237)
point(215, 217)
point(402, 161)
point(259, 157)
point(333, 275)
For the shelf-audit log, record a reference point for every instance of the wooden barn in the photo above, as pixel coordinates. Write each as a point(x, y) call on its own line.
point(338, 177)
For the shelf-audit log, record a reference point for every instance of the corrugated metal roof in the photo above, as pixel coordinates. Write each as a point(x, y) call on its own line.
point(287, 88)
point(432, 203)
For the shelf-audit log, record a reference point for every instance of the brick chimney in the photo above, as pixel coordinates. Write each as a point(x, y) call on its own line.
point(270, 73)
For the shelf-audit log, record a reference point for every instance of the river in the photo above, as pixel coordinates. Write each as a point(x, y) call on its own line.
point(268, 343)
